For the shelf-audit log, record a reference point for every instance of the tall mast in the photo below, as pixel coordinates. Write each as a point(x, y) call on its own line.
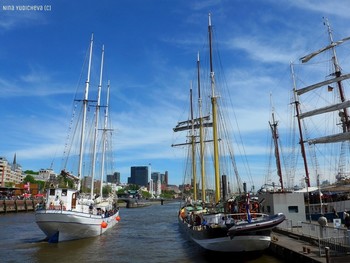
point(340, 107)
point(97, 114)
point(201, 142)
point(104, 138)
point(193, 149)
point(345, 116)
point(214, 112)
point(301, 141)
point(85, 102)
point(273, 126)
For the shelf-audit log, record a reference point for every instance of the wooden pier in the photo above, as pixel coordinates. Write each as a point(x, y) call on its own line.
point(20, 205)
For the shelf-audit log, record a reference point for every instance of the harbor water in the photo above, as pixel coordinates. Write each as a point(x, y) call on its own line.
point(148, 234)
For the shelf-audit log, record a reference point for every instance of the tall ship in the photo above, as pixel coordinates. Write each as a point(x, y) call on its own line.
point(70, 210)
point(214, 214)
point(322, 113)
point(319, 137)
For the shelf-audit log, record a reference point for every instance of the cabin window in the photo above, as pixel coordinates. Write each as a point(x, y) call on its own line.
point(52, 191)
point(293, 209)
point(64, 192)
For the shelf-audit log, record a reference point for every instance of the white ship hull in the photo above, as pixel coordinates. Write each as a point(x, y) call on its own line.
point(60, 225)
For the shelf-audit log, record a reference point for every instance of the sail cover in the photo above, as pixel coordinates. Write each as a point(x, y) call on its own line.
point(340, 137)
point(321, 84)
point(313, 54)
point(330, 108)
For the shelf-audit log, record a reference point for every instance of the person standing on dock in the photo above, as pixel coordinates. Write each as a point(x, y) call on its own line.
point(347, 220)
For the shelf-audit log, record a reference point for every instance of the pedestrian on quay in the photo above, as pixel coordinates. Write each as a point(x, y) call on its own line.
point(335, 213)
point(347, 220)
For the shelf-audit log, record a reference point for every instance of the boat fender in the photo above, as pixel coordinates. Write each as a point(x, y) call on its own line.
point(104, 224)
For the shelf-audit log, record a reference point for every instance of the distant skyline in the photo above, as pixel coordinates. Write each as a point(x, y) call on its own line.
point(150, 59)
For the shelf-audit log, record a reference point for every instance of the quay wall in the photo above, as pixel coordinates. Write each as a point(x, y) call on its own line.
point(291, 255)
point(25, 205)
point(299, 245)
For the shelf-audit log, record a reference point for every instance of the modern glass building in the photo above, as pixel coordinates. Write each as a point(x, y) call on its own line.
point(139, 175)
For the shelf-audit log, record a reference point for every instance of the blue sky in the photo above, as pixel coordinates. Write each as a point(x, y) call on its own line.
point(150, 53)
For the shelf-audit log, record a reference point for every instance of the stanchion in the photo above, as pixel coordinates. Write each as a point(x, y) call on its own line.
point(327, 254)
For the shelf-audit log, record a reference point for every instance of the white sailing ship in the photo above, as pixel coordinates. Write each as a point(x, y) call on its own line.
point(69, 213)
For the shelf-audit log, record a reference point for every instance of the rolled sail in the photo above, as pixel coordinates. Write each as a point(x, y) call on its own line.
point(340, 137)
point(330, 108)
point(321, 84)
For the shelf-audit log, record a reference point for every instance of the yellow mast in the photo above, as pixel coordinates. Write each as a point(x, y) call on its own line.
point(214, 112)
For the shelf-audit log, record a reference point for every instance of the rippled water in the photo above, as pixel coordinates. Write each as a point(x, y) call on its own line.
point(148, 234)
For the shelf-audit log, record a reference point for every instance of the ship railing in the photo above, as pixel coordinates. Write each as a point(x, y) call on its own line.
point(332, 236)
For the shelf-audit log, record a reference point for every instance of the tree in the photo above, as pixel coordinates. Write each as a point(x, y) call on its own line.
point(29, 178)
point(146, 194)
point(168, 194)
point(106, 190)
point(30, 172)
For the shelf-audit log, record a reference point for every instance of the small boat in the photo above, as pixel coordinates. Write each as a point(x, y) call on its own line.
point(219, 219)
point(69, 213)
point(264, 223)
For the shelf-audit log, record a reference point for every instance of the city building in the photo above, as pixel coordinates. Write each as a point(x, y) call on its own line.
point(46, 175)
point(10, 173)
point(139, 175)
point(113, 178)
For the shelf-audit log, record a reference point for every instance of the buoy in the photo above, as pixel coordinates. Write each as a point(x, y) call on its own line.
point(117, 218)
point(103, 224)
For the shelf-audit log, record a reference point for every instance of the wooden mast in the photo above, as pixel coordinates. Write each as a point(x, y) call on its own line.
point(214, 112)
point(301, 141)
point(273, 126)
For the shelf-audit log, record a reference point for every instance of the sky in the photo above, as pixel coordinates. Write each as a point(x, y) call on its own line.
point(150, 55)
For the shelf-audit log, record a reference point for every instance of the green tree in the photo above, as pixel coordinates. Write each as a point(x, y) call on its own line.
point(146, 194)
point(106, 190)
point(29, 178)
point(121, 191)
point(64, 181)
point(168, 194)
point(30, 172)
point(132, 187)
